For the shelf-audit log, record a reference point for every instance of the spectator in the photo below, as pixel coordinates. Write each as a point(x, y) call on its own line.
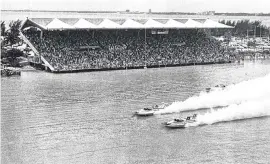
point(76, 50)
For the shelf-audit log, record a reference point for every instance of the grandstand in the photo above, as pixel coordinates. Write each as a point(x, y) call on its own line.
point(77, 44)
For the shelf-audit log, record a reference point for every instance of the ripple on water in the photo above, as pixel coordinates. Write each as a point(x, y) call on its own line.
point(82, 117)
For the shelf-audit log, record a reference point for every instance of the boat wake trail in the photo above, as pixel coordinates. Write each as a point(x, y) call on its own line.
point(251, 90)
point(245, 110)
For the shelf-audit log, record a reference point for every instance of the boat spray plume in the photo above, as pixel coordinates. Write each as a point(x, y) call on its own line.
point(245, 110)
point(250, 90)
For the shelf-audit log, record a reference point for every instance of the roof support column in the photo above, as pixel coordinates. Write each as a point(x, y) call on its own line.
point(41, 34)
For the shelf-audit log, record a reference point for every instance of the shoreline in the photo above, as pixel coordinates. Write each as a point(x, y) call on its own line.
point(10, 71)
point(131, 68)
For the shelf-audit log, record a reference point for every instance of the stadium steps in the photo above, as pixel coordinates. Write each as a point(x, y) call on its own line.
point(47, 64)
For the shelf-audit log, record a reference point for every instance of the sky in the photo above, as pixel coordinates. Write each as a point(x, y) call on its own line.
point(249, 6)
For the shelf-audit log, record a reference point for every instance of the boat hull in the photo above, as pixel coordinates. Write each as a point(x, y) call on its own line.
point(181, 122)
point(144, 113)
point(175, 126)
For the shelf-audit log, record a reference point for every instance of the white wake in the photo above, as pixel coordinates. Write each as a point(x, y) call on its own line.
point(251, 91)
point(245, 110)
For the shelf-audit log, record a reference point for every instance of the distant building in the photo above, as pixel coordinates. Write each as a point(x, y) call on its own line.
point(127, 10)
point(206, 13)
point(258, 14)
point(150, 11)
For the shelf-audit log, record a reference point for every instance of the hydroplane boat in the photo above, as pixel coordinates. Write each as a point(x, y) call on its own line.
point(149, 111)
point(181, 122)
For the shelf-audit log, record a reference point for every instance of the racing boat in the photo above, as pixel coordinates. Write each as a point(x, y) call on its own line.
point(181, 122)
point(150, 111)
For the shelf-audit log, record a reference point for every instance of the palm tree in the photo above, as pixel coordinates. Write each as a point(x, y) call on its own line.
point(12, 35)
point(3, 33)
point(3, 28)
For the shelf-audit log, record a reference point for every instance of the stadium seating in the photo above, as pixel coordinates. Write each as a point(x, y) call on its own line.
point(111, 49)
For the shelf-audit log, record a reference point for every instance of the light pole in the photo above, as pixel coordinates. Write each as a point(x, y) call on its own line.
point(255, 31)
point(260, 32)
point(268, 34)
point(247, 33)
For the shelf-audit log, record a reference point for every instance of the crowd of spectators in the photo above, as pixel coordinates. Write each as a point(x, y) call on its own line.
point(82, 49)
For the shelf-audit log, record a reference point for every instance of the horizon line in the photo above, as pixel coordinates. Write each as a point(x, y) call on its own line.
point(115, 11)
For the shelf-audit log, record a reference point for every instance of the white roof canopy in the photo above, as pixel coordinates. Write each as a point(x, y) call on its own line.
point(193, 24)
point(212, 24)
point(84, 23)
point(58, 24)
point(131, 24)
point(108, 24)
point(153, 24)
point(174, 24)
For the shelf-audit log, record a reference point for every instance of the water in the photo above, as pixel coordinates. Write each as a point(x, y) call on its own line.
point(86, 117)
point(14, 15)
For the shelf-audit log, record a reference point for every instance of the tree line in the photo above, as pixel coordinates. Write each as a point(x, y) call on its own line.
point(244, 14)
point(243, 28)
point(10, 37)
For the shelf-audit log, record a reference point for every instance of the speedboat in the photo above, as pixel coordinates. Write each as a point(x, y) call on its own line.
point(145, 112)
point(176, 123)
point(181, 122)
point(150, 111)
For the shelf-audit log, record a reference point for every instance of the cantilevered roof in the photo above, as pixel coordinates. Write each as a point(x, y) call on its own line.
point(153, 24)
point(213, 24)
point(108, 24)
point(193, 24)
point(120, 23)
point(58, 24)
point(131, 24)
point(175, 24)
point(84, 24)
